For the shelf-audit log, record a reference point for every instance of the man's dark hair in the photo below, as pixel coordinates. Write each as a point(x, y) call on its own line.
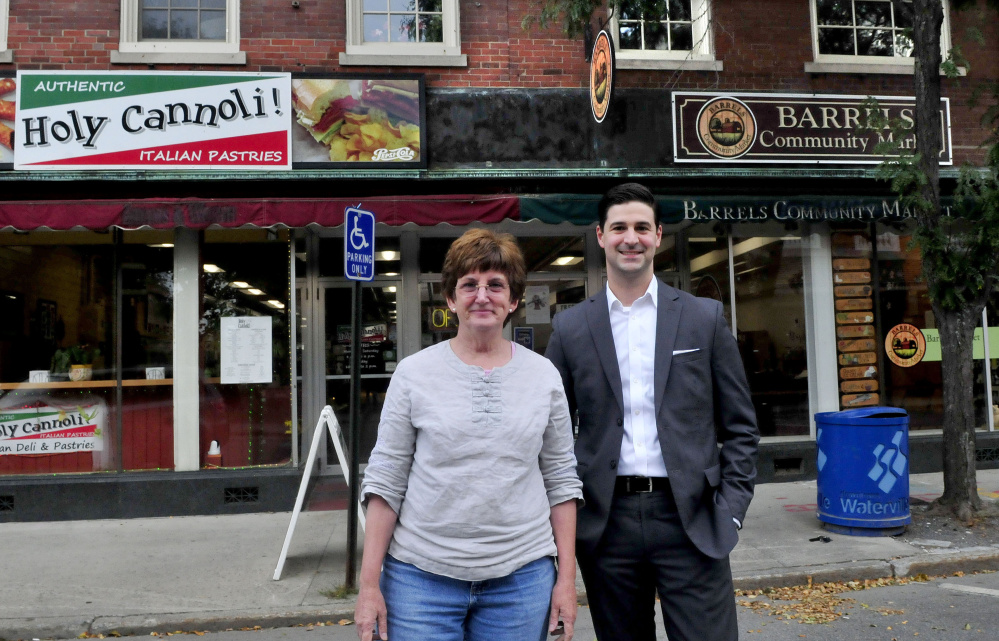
point(626, 193)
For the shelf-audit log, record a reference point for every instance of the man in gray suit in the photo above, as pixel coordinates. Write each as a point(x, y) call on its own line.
point(667, 439)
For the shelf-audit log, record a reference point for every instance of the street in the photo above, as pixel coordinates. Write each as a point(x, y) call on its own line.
point(945, 609)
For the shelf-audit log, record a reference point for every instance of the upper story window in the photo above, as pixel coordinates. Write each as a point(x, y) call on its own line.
point(179, 31)
point(864, 36)
point(677, 37)
point(403, 32)
point(861, 28)
point(403, 21)
point(674, 33)
point(182, 20)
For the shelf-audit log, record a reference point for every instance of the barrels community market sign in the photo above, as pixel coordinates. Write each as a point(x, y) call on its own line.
point(789, 128)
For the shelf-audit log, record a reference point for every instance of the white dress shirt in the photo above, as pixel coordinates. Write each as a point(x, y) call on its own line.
point(634, 330)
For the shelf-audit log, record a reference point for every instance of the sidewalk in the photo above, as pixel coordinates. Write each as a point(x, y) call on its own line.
point(61, 579)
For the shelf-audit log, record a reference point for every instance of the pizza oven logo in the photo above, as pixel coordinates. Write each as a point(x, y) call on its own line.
point(726, 127)
point(905, 345)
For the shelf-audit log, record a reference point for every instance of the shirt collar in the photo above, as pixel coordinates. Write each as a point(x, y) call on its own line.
point(652, 293)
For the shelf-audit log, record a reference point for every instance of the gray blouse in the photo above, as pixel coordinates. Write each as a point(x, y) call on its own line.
point(472, 463)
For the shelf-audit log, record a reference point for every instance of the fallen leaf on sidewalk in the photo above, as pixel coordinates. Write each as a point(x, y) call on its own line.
point(817, 603)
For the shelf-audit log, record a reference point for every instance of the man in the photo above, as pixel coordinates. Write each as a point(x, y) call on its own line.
point(667, 439)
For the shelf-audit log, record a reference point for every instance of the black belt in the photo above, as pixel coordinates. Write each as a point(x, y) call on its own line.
point(640, 484)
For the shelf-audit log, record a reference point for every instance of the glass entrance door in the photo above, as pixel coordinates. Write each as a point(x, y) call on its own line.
point(379, 355)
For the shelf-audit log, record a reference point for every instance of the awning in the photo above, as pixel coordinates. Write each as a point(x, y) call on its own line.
point(459, 210)
point(197, 213)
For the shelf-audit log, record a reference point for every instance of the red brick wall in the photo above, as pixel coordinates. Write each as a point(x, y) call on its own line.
point(762, 50)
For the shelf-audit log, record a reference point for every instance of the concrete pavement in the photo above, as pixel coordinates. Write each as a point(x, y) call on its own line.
point(62, 579)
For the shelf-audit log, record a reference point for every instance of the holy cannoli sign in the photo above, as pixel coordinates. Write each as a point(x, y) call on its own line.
point(51, 430)
point(162, 120)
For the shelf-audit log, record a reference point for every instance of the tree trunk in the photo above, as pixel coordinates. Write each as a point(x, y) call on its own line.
point(956, 326)
point(957, 329)
point(926, 38)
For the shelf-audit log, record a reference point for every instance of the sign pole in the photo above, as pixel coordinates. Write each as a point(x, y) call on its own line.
point(355, 432)
point(358, 265)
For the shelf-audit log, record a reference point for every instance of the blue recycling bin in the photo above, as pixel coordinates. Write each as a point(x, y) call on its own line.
point(863, 471)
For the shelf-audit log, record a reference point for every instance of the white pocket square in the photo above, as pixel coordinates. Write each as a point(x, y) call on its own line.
point(677, 352)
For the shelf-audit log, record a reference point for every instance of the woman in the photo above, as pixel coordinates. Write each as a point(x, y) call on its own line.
point(471, 488)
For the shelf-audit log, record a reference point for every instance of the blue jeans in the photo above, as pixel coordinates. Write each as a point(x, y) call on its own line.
point(423, 606)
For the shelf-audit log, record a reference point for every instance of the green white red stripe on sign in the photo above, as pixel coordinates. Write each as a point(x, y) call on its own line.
point(52, 430)
point(150, 120)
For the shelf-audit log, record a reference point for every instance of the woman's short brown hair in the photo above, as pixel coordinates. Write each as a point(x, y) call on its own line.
point(482, 250)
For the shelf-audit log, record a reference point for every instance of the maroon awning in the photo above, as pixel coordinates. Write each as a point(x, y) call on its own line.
point(195, 213)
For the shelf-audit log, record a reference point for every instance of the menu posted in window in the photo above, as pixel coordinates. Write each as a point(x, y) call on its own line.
point(246, 349)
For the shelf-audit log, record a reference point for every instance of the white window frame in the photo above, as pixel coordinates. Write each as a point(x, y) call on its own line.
point(410, 54)
point(829, 63)
point(6, 55)
point(131, 50)
point(700, 58)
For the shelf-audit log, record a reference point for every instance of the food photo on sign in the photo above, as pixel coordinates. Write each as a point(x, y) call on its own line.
point(353, 119)
point(7, 106)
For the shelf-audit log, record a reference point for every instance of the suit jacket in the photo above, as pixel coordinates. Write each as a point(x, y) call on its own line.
point(704, 414)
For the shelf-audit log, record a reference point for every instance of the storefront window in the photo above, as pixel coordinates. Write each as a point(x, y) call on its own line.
point(146, 260)
point(59, 379)
point(903, 298)
point(246, 368)
point(769, 315)
point(58, 294)
point(770, 322)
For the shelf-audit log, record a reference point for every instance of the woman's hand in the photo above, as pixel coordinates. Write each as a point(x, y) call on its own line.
point(370, 610)
point(564, 608)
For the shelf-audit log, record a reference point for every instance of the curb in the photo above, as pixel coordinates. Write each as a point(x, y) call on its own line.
point(976, 559)
point(147, 624)
point(850, 571)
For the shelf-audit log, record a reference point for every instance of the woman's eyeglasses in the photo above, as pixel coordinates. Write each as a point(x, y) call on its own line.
point(471, 288)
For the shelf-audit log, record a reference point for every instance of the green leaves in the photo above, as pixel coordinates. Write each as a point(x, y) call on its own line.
point(959, 245)
point(574, 14)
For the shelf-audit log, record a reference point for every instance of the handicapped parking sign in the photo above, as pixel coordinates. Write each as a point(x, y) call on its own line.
point(359, 244)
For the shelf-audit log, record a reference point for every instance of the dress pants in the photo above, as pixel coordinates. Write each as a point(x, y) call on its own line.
point(644, 550)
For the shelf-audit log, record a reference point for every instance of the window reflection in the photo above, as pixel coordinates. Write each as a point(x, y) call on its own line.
point(770, 317)
point(903, 297)
point(861, 28)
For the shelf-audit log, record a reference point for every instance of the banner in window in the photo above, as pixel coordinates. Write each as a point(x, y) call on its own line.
point(52, 430)
point(804, 129)
point(353, 121)
point(152, 120)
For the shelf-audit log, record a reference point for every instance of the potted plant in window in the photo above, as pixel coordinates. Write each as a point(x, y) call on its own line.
point(77, 360)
